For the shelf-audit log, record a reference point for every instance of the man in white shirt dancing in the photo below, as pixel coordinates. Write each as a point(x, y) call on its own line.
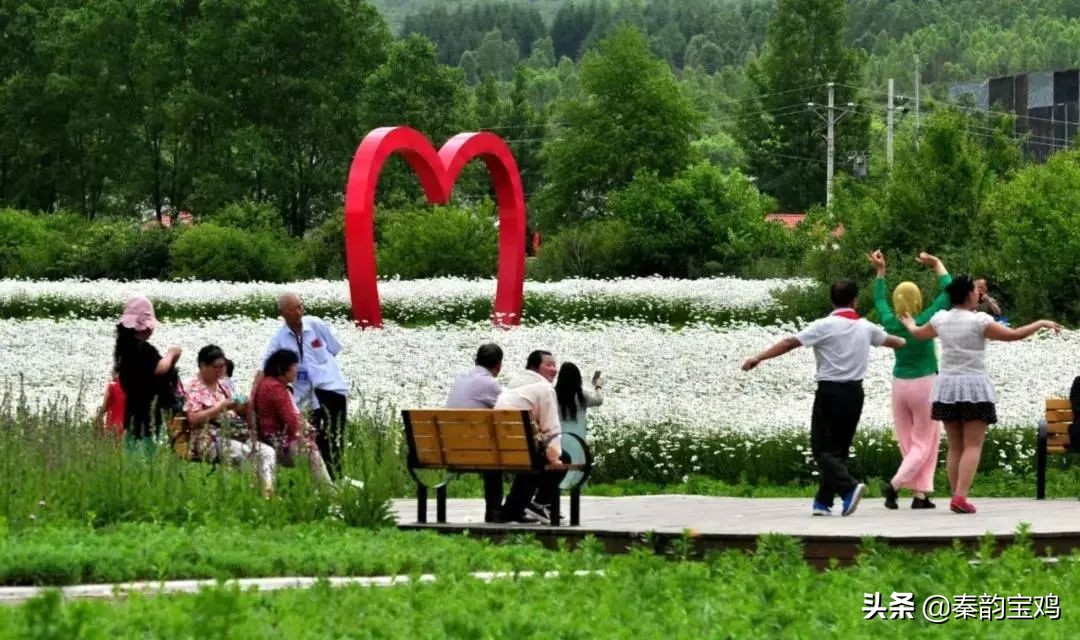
point(841, 343)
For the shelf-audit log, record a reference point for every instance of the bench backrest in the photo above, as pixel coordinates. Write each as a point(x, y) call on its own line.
point(471, 439)
point(1058, 417)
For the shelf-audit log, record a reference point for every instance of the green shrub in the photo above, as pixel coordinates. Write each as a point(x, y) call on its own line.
point(324, 248)
point(439, 241)
point(118, 250)
point(250, 216)
point(703, 215)
point(210, 252)
point(592, 249)
point(27, 246)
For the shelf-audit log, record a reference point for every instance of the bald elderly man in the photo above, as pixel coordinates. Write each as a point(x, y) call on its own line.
point(320, 384)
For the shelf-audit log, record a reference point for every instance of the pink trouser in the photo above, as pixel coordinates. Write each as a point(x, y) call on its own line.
point(919, 435)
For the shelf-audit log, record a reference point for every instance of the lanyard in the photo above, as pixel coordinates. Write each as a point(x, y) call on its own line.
point(300, 344)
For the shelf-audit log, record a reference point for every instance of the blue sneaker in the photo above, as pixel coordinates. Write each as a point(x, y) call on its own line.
point(851, 500)
point(821, 510)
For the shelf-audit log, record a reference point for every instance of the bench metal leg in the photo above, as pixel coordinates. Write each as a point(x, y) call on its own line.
point(440, 503)
point(555, 509)
point(1040, 463)
point(575, 506)
point(421, 503)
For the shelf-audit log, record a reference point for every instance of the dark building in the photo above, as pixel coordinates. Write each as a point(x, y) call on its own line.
point(1045, 105)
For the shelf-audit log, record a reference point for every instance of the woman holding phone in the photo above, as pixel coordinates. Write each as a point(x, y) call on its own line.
point(574, 400)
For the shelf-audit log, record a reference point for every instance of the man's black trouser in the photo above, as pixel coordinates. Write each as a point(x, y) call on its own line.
point(493, 493)
point(329, 423)
point(837, 408)
point(544, 486)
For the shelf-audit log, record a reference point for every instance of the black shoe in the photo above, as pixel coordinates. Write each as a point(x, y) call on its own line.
point(491, 516)
point(891, 496)
point(922, 503)
point(521, 518)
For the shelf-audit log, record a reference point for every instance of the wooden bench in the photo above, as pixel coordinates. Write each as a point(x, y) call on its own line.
point(1053, 439)
point(479, 440)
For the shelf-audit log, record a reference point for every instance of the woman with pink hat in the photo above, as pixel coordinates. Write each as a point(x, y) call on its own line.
point(141, 368)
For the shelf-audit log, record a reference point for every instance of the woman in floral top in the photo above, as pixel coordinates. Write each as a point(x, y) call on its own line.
point(208, 406)
point(280, 423)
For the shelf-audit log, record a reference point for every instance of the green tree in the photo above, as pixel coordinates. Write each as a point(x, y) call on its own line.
point(631, 117)
point(784, 143)
point(543, 54)
point(1036, 223)
point(471, 68)
point(496, 55)
point(704, 54)
point(491, 108)
point(526, 128)
point(269, 108)
point(411, 88)
point(703, 220)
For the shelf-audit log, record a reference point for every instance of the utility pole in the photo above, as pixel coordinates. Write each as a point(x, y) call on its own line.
point(830, 150)
point(831, 118)
point(889, 120)
point(918, 75)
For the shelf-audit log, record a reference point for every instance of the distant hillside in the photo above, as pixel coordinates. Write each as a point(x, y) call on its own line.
point(396, 10)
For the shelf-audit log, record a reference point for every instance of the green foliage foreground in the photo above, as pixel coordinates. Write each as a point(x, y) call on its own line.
point(770, 594)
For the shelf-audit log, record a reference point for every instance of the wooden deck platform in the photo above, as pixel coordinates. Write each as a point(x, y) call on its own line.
point(736, 523)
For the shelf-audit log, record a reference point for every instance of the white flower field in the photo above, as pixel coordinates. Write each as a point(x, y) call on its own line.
point(714, 293)
point(688, 377)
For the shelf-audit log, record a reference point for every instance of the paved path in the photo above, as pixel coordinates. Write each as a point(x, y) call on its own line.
point(705, 515)
point(18, 595)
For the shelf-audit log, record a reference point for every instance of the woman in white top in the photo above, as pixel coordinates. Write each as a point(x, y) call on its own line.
point(963, 397)
point(573, 402)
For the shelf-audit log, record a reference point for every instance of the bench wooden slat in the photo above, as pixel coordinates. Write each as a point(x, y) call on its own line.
point(1057, 440)
point(482, 416)
point(1055, 404)
point(466, 458)
point(1059, 415)
point(453, 443)
point(1057, 427)
point(565, 467)
point(474, 467)
point(1057, 449)
point(475, 429)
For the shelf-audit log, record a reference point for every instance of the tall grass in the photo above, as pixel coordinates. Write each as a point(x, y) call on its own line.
point(54, 469)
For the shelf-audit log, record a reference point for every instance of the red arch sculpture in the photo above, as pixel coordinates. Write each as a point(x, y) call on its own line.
point(437, 171)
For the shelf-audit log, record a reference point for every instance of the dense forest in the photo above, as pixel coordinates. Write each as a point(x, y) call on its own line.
point(652, 136)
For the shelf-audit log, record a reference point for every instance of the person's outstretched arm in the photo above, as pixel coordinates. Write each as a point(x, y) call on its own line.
point(925, 332)
point(894, 342)
point(1000, 332)
point(785, 345)
point(941, 302)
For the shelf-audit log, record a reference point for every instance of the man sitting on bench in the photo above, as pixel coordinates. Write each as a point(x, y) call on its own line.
point(478, 389)
point(532, 390)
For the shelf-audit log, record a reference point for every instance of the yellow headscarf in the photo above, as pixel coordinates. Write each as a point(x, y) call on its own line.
point(907, 299)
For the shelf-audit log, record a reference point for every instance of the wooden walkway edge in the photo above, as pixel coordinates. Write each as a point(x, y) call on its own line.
point(718, 523)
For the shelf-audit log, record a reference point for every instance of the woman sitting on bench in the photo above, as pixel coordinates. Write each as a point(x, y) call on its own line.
point(210, 409)
point(279, 421)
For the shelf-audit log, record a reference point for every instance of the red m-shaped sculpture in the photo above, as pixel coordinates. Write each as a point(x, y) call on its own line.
point(437, 171)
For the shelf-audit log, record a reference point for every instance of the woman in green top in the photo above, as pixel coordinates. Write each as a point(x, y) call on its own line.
point(916, 367)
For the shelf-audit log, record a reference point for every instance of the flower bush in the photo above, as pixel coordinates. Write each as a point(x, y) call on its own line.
point(714, 300)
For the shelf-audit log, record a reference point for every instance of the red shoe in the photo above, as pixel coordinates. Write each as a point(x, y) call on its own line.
point(960, 504)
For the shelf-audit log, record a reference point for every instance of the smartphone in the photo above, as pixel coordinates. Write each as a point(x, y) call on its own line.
point(595, 376)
